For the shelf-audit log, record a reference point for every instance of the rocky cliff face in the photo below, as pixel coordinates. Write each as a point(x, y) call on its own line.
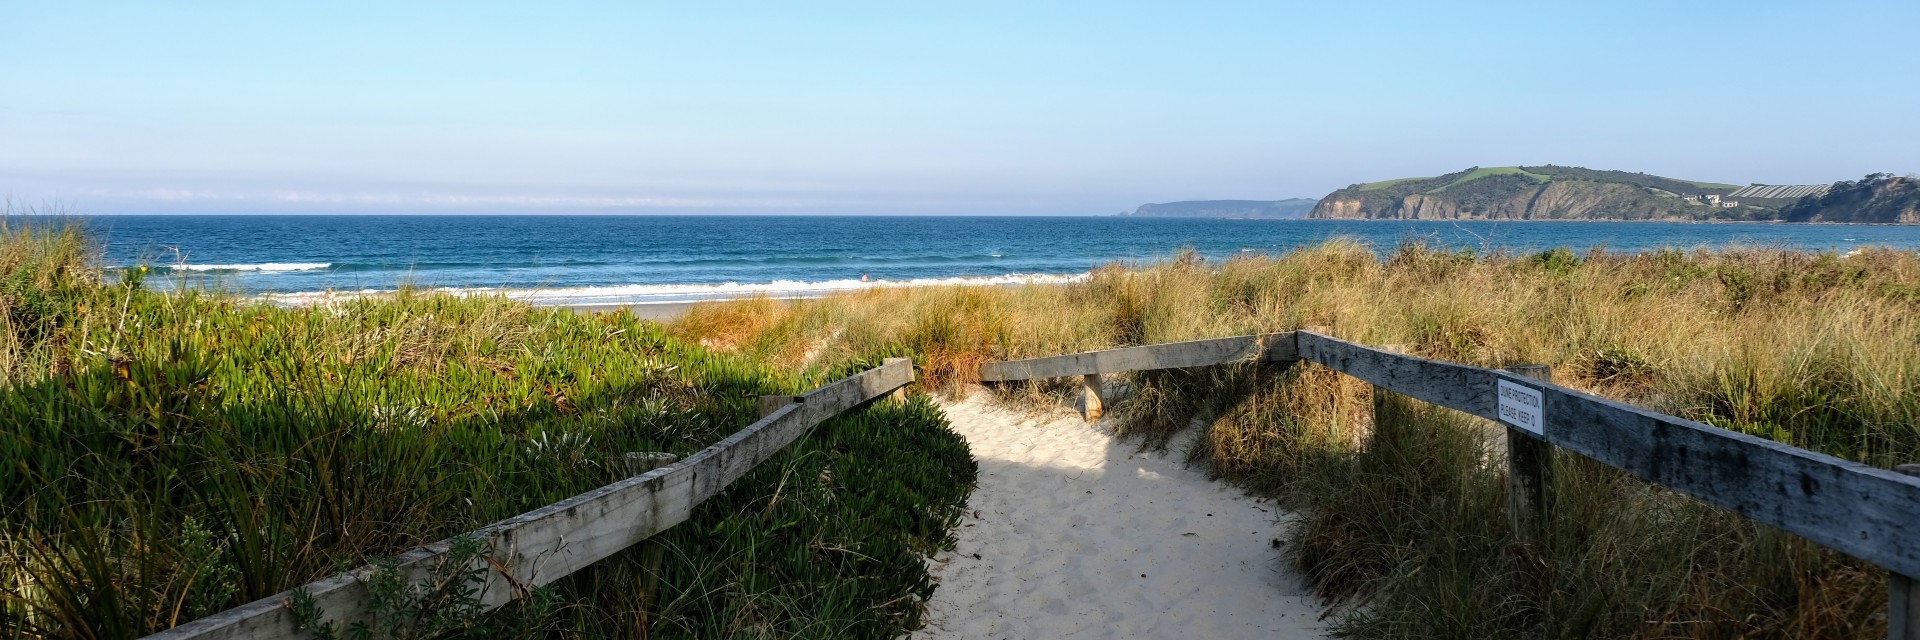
point(1878, 198)
point(1339, 207)
point(1461, 196)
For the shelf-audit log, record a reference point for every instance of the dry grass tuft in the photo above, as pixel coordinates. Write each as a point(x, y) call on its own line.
point(41, 262)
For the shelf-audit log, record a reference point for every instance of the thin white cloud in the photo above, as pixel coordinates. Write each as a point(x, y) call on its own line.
point(483, 200)
point(158, 196)
point(171, 195)
point(449, 200)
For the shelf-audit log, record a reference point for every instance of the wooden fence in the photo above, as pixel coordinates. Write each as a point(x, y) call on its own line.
point(1867, 512)
point(543, 545)
point(1272, 347)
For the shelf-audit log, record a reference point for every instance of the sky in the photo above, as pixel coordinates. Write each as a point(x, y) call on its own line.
point(893, 108)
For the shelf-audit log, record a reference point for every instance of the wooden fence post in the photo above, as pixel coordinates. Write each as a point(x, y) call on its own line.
point(900, 394)
point(652, 555)
point(1903, 600)
point(1090, 396)
point(1380, 394)
point(1529, 468)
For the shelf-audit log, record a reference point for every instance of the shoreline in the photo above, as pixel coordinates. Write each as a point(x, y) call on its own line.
point(614, 296)
point(660, 310)
point(654, 311)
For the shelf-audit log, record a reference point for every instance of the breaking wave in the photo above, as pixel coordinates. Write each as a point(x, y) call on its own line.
point(263, 267)
point(621, 295)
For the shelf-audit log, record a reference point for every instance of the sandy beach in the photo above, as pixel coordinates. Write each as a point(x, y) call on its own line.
point(1074, 535)
point(657, 312)
point(663, 311)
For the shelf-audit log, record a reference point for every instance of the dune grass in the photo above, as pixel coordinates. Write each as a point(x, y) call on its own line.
point(167, 456)
point(1408, 530)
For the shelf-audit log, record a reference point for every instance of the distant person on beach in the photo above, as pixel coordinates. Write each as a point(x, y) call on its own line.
point(863, 278)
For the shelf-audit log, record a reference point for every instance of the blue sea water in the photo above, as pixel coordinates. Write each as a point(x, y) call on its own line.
point(631, 259)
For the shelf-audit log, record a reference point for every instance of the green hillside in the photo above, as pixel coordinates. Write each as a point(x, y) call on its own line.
point(1488, 172)
point(1370, 186)
point(1547, 192)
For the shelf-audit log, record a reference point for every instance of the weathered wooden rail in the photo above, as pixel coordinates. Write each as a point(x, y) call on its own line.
point(1270, 347)
point(543, 545)
point(1866, 512)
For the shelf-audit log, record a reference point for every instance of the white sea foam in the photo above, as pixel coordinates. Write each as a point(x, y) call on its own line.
point(264, 267)
point(682, 293)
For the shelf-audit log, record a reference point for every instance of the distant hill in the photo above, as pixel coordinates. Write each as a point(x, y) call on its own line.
point(1878, 198)
point(1289, 209)
point(1537, 193)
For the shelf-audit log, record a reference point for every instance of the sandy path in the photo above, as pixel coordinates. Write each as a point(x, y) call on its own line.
point(1077, 536)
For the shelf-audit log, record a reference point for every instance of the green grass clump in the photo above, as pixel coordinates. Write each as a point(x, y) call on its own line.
point(41, 269)
point(167, 456)
point(820, 548)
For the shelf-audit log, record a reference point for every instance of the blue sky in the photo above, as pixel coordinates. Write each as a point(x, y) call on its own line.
point(972, 108)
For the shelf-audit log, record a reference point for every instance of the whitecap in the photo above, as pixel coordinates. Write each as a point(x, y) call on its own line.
point(263, 267)
point(683, 293)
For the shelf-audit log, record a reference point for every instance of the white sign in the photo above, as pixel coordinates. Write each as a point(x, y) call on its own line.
point(1521, 406)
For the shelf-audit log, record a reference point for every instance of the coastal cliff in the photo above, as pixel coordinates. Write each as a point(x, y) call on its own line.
point(1551, 192)
point(1878, 198)
point(1535, 193)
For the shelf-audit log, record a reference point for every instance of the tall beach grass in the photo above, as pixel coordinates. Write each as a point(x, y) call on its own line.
point(1403, 513)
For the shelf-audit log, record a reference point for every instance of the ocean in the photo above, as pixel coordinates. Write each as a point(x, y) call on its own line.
point(607, 260)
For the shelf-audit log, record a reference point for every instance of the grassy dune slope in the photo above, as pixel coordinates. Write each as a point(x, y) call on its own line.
point(1404, 511)
point(163, 457)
